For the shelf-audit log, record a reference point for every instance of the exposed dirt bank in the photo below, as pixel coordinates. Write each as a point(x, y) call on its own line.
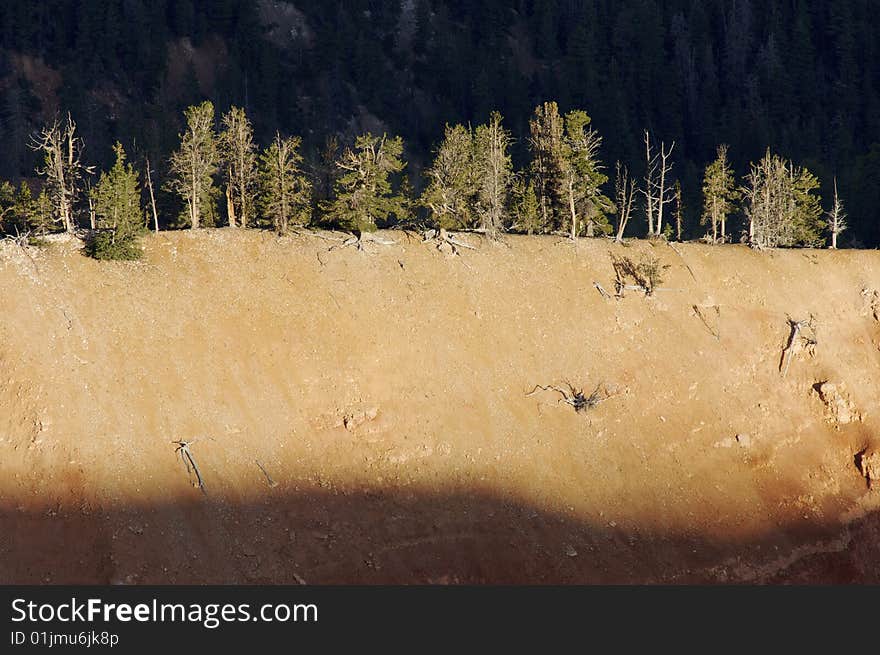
point(363, 416)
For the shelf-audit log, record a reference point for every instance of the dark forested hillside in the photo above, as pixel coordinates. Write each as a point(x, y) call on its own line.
point(801, 76)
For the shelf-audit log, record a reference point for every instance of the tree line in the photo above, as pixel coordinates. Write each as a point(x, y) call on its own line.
point(220, 176)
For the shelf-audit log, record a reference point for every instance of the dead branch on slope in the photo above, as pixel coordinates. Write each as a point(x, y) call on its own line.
point(646, 275)
point(190, 463)
point(802, 336)
point(715, 332)
point(575, 397)
point(446, 242)
point(360, 240)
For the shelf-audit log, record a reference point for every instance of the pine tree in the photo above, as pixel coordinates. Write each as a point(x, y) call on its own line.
point(493, 169)
point(719, 195)
point(584, 177)
point(194, 164)
point(781, 205)
point(33, 214)
point(239, 157)
point(286, 191)
point(7, 207)
point(364, 195)
point(546, 130)
point(450, 195)
point(119, 213)
point(525, 205)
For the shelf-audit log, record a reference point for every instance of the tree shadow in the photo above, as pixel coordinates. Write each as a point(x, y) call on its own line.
point(400, 537)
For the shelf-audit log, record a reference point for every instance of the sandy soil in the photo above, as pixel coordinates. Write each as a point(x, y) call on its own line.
point(363, 417)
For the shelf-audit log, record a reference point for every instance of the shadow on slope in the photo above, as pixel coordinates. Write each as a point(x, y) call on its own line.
point(399, 538)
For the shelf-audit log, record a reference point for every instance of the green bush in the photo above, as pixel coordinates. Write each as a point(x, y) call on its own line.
point(104, 244)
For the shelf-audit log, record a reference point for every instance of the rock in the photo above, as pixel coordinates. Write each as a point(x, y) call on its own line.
point(570, 551)
point(743, 439)
point(838, 407)
point(869, 465)
point(356, 418)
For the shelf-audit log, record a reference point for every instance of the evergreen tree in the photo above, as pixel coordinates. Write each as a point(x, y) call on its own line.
point(719, 195)
point(584, 177)
point(546, 130)
point(493, 171)
point(238, 153)
point(286, 191)
point(120, 216)
point(525, 205)
point(194, 164)
point(781, 204)
point(7, 207)
point(364, 195)
point(450, 195)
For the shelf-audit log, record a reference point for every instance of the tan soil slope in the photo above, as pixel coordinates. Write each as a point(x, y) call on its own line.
point(383, 393)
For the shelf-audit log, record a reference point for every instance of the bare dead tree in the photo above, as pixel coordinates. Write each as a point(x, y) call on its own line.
point(149, 177)
point(625, 188)
point(836, 217)
point(656, 191)
point(650, 175)
point(62, 167)
point(91, 201)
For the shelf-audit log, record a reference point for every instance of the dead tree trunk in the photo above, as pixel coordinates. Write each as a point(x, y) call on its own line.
point(230, 205)
point(152, 197)
point(625, 191)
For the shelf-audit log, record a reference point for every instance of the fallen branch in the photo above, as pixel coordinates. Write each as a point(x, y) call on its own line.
point(805, 341)
point(190, 463)
point(359, 240)
point(676, 251)
point(574, 397)
point(23, 241)
point(602, 291)
point(715, 333)
point(442, 238)
point(272, 483)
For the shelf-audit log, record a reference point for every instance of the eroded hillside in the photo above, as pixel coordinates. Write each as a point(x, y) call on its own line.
point(366, 417)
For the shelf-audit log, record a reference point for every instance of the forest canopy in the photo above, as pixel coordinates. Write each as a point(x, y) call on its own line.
point(802, 78)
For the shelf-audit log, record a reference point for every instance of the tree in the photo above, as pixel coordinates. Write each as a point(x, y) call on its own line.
point(62, 167)
point(452, 185)
point(286, 191)
point(118, 210)
point(677, 209)
point(656, 191)
point(525, 205)
point(719, 195)
point(239, 157)
point(364, 194)
point(836, 218)
point(584, 177)
point(781, 206)
point(546, 129)
point(493, 169)
point(194, 164)
point(7, 207)
point(625, 191)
